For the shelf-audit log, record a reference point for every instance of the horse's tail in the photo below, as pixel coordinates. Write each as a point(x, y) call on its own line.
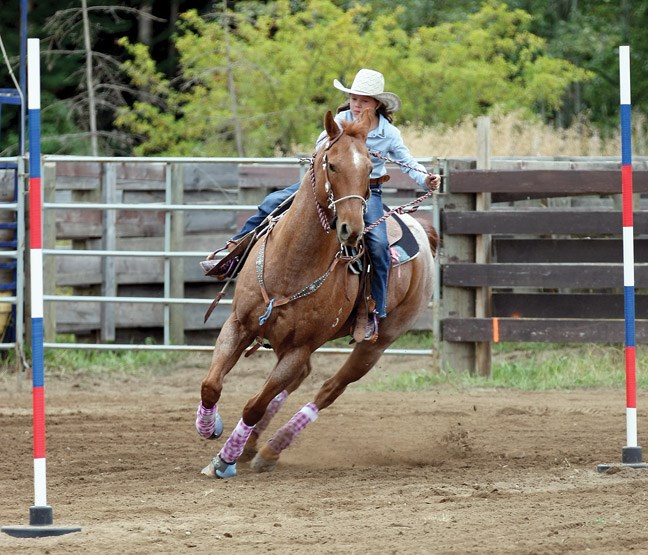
point(425, 219)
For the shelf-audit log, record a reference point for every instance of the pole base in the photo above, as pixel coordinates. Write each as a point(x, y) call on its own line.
point(631, 457)
point(39, 531)
point(40, 525)
point(606, 467)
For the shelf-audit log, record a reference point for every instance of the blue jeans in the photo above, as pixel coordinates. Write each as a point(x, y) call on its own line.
point(378, 246)
point(266, 207)
point(376, 239)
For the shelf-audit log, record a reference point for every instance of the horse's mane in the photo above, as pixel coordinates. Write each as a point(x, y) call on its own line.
point(354, 129)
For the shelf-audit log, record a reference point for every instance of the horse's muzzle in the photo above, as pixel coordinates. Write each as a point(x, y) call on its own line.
point(347, 235)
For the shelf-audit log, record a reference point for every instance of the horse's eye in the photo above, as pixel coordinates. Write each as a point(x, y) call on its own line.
point(332, 167)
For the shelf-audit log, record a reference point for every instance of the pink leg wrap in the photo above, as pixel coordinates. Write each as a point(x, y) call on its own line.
point(285, 435)
point(273, 408)
point(206, 420)
point(236, 442)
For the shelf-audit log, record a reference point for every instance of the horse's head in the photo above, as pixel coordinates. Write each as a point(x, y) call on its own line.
point(343, 167)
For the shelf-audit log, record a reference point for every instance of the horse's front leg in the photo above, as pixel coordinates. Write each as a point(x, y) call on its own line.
point(362, 359)
point(232, 341)
point(289, 369)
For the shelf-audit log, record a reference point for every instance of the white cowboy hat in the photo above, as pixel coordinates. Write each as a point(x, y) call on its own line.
point(368, 82)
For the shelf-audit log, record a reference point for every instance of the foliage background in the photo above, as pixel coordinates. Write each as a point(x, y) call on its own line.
point(255, 78)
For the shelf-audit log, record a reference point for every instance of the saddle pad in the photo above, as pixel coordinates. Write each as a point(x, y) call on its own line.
point(401, 240)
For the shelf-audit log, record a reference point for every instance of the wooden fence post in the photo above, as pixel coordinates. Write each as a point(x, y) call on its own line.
point(457, 302)
point(482, 248)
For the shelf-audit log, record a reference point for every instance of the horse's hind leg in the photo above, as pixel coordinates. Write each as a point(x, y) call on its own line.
point(362, 359)
point(273, 408)
point(232, 341)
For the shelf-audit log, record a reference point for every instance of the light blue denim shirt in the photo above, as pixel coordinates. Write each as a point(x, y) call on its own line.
point(387, 140)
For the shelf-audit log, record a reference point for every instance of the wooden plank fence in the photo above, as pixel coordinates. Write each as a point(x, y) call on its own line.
point(554, 271)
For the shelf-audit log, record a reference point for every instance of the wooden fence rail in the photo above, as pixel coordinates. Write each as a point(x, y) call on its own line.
point(553, 271)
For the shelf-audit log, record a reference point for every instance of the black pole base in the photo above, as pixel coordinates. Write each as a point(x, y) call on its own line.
point(631, 457)
point(40, 525)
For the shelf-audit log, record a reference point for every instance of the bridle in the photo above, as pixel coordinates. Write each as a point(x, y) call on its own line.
point(327, 224)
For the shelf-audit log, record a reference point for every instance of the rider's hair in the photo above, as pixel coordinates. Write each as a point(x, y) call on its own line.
point(382, 110)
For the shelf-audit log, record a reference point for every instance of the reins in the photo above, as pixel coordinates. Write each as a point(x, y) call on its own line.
point(411, 206)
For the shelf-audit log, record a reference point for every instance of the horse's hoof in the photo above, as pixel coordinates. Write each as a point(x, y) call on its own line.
point(265, 460)
point(218, 430)
point(223, 469)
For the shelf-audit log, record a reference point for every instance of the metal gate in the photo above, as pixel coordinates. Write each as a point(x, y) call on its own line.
point(110, 187)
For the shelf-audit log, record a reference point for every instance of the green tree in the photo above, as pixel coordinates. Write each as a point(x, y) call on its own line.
point(283, 63)
point(489, 60)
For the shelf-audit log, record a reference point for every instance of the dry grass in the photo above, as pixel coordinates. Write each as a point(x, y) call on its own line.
point(512, 135)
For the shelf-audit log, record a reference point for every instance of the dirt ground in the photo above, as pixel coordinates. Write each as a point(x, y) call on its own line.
point(441, 471)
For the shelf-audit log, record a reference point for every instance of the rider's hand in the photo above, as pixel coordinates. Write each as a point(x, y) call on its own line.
point(432, 181)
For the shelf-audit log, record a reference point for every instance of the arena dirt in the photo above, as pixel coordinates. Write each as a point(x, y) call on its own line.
point(441, 471)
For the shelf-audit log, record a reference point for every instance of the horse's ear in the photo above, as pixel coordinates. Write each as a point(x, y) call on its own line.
point(364, 121)
point(331, 126)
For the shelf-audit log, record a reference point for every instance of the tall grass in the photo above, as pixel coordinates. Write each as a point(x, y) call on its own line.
point(514, 135)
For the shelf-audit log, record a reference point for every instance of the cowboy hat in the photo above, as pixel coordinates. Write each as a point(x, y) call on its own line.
point(368, 82)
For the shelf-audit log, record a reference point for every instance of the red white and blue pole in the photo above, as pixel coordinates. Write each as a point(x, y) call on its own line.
point(36, 272)
point(40, 514)
point(631, 454)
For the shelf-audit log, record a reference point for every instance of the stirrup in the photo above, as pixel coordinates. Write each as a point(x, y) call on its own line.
point(371, 330)
point(228, 265)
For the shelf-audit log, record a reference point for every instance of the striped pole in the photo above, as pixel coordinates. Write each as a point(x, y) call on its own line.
point(631, 454)
point(36, 280)
point(40, 514)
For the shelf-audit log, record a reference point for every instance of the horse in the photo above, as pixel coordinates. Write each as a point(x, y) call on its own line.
point(296, 292)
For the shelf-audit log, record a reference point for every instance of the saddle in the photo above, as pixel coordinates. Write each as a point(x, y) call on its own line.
point(228, 267)
point(402, 244)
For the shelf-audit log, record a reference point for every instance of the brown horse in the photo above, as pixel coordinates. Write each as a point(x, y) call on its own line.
point(296, 292)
